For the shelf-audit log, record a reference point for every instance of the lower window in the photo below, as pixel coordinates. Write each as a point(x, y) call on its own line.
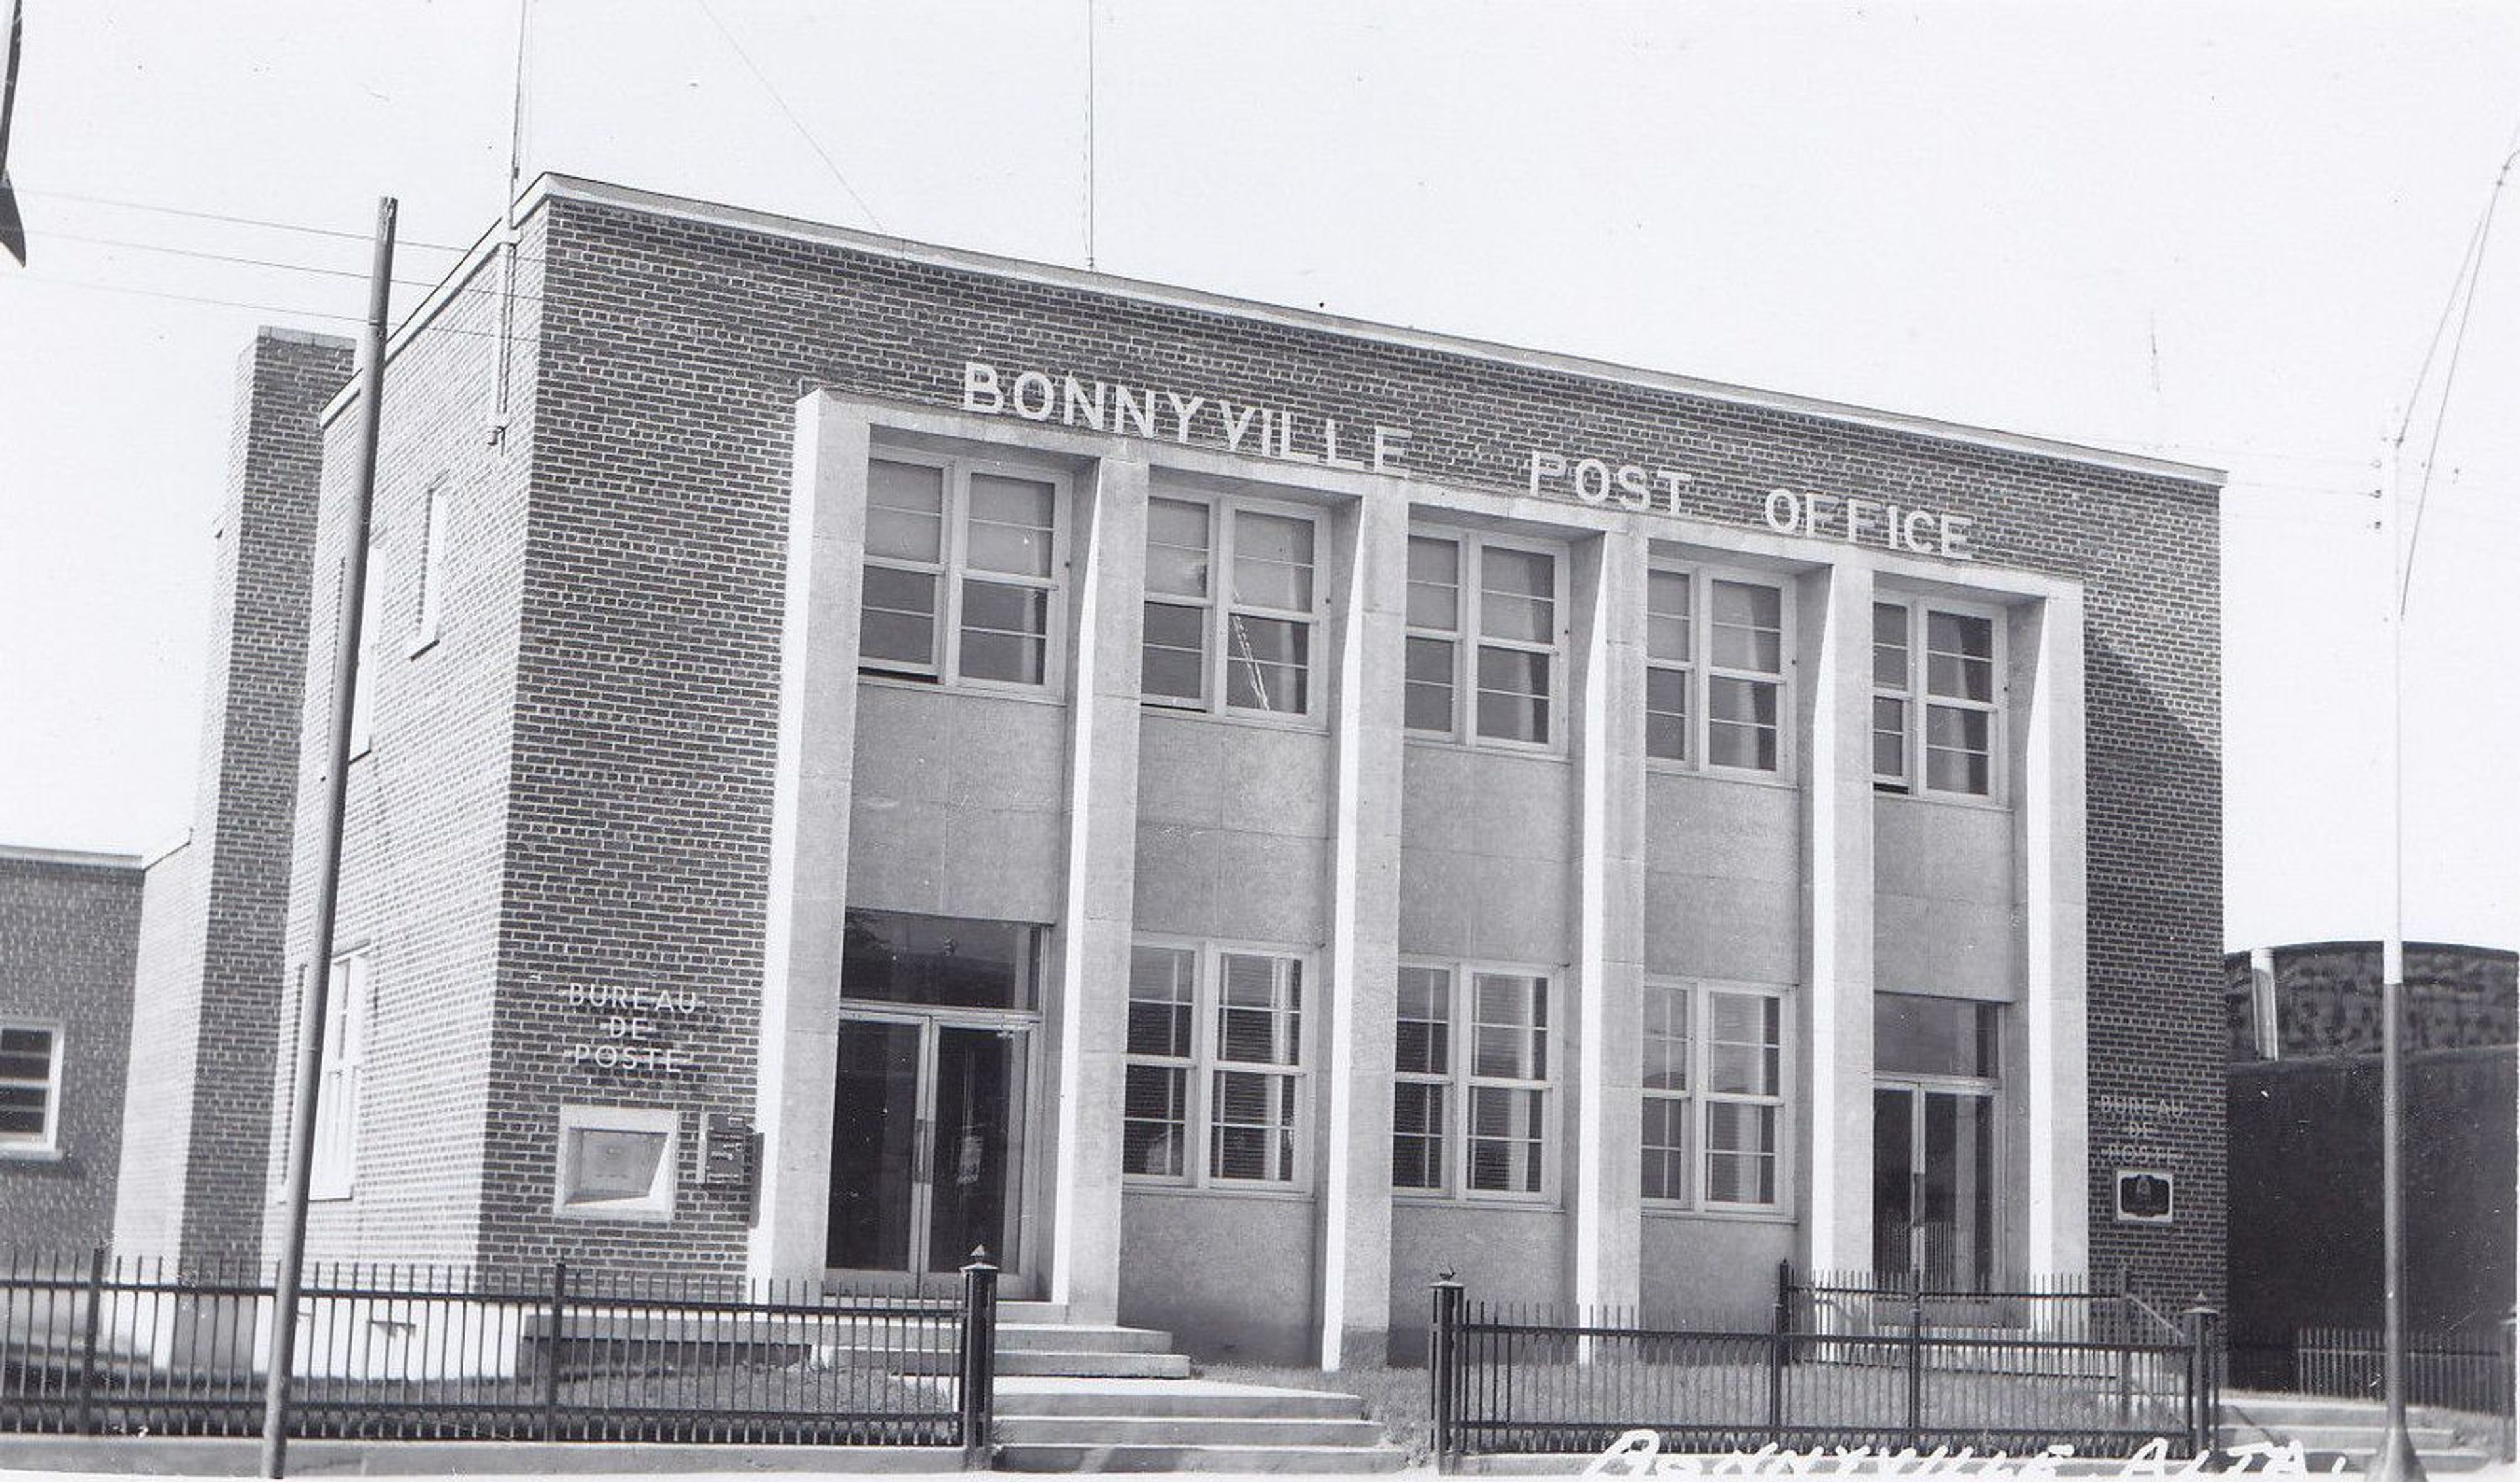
point(30, 1087)
point(1472, 1109)
point(1714, 1077)
point(1215, 1081)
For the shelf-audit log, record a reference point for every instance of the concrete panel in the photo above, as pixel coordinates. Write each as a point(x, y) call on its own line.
point(1523, 802)
point(1270, 887)
point(1502, 1252)
point(1002, 754)
point(1713, 1272)
point(1903, 957)
point(1435, 902)
point(1698, 927)
point(1179, 759)
point(1272, 781)
point(1230, 1277)
point(1723, 826)
point(1176, 880)
point(1942, 851)
point(1944, 918)
point(1974, 950)
point(1522, 911)
point(1002, 866)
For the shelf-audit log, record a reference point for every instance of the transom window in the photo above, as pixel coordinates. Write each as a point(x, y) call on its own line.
point(964, 571)
point(1215, 1079)
point(1944, 661)
point(1483, 623)
point(1248, 646)
point(1714, 1096)
point(30, 1087)
point(1471, 1112)
point(1715, 670)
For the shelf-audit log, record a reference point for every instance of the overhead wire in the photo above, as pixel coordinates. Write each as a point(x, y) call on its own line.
point(245, 261)
point(767, 86)
point(49, 281)
point(253, 221)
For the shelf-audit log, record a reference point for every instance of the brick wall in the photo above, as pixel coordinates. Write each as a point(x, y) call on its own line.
point(672, 356)
point(69, 929)
point(211, 973)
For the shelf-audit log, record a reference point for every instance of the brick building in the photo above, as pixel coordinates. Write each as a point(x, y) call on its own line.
point(868, 751)
point(68, 922)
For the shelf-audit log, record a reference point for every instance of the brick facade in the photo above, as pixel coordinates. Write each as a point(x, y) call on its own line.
point(587, 755)
point(69, 929)
point(209, 968)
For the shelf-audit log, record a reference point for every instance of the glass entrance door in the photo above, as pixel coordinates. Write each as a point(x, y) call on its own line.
point(1933, 1185)
point(928, 1124)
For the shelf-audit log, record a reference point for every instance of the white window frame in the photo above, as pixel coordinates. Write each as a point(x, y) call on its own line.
point(1467, 639)
point(1701, 671)
point(339, 1074)
point(1460, 1078)
point(1917, 702)
point(1219, 608)
point(1699, 1095)
point(363, 675)
point(952, 569)
point(1204, 1063)
point(48, 1143)
point(433, 568)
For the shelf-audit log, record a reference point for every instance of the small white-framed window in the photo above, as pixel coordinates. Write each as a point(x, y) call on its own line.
point(339, 1070)
point(363, 681)
point(1484, 624)
point(433, 566)
point(1942, 662)
point(965, 571)
point(1716, 670)
point(617, 1163)
point(30, 1087)
point(1473, 1107)
point(1247, 648)
point(1216, 1078)
point(1714, 1084)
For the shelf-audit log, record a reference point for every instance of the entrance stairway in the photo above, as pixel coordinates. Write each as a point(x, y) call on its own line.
point(2330, 1429)
point(1076, 1398)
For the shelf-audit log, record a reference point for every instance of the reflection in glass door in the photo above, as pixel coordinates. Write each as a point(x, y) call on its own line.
point(1933, 1185)
point(927, 1123)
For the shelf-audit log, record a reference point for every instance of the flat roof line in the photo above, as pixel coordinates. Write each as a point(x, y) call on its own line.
point(33, 855)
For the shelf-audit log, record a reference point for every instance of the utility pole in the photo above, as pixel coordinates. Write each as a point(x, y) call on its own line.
point(328, 860)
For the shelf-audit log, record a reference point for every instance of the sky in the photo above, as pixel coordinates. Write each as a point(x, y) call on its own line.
point(2224, 233)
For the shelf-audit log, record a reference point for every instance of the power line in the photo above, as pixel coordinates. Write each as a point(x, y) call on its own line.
point(177, 210)
point(259, 262)
point(231, 303)
point(808, 135)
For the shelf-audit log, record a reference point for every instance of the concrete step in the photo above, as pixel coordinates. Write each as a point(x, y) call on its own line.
point(1182, 1431)
point(1200, 1399)
point(1092, 1363)
point(1032, 1312)
point(1307, 1460)
point(1071, 1337)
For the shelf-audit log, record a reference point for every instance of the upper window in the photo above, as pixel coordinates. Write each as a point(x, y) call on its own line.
point(1714, 1096)
point(1715, 671)
point(363, 685)
point(1483, 625)
point(1215, 1083)
point(337, 1079)
point(893, 957)
point(1244, 643)
point(1916, 1035)
point(963, 573)
point(30, 1087)
point(1943, 662)
point(1470, 1110)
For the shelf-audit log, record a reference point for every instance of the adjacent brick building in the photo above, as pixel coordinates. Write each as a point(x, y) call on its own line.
point(68, 925)
point(873, 749)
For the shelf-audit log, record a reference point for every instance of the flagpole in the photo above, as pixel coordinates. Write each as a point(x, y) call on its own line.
point(346, 649)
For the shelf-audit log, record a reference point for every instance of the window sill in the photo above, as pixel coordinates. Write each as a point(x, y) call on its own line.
point(32, 1154)
point(1968, 800)
point(1527, 1204)
point(1555, 754)
point(1657, 766)
point(1653, 1211)
point(1028, 694)
point(1282, 1196)
point(1258, 720)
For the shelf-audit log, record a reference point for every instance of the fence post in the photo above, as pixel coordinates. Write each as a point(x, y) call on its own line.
point(552, 1346)
point(1443, 1370)
point(1779, 1326)
point(979, 1367)
point(2506, 1376)
point(87, 1346)
point(1917, 1359)
point(2204, 1404)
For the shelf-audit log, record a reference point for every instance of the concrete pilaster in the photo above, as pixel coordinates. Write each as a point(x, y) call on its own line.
point(1608, 707)
point(1363, 958)
point(2051, 1070)
point(818, 704)
point(1834, 608)
point(1097, 913)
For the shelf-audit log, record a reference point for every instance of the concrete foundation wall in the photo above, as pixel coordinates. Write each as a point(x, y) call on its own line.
point(1232, 1277)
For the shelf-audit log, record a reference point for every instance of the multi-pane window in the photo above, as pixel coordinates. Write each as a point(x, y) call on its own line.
point(363, 685)
point(961, 573)
point(1943, 664)
point(1249, 646)
point(30, 1087)
point(337, 1079)
point(1714, 1096)
point(1482, 623)
point(1471, 1097)
point(1214, 1083)
point(1715, 670)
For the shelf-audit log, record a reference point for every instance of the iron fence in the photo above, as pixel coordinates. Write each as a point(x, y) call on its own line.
point(2466, 1371)
point(1515, 1379)
point(100, 1345)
